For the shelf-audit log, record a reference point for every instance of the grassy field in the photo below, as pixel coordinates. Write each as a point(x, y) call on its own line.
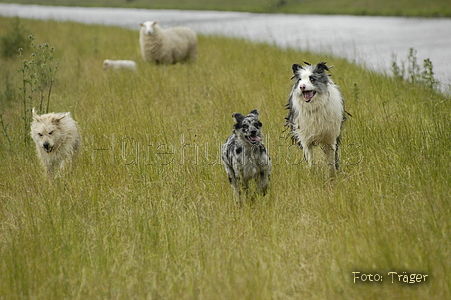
point(416, 8)
point(147, 211)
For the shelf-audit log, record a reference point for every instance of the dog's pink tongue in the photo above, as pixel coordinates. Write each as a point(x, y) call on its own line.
point(308, 95)
point(255, 138)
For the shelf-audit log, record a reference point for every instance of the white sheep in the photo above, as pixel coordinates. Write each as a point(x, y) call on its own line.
point(167, 46)
point(119, 64)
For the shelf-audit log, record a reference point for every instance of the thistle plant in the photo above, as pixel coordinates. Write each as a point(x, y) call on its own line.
point(414, 73)
point(427, 75)
point(38, 75)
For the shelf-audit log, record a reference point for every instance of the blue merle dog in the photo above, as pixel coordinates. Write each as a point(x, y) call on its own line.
point(245, 157)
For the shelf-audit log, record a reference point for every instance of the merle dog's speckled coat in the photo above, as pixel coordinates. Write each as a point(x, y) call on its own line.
point(245, 157)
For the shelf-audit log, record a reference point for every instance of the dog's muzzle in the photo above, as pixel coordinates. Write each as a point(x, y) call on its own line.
point(254, 139)
point(47, 147)
point(308, 95)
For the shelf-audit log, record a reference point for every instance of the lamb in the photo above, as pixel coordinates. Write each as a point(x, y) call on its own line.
point(167, 46)
point(119, 65)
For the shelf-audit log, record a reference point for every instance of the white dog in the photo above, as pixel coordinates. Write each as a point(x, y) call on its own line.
point(316, 113)
point(57, 139)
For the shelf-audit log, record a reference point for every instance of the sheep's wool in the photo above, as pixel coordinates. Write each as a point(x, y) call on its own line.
point(167, 46)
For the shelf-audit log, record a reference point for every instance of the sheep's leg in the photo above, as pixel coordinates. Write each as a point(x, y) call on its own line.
point(192, 54)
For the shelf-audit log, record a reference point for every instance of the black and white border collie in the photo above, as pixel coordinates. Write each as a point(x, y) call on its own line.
point(316, 113)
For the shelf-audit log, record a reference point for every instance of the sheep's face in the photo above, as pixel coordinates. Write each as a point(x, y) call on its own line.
point(106, 64)
point(148, 27)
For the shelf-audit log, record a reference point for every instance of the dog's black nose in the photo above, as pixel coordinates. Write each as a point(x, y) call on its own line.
point(46, 145)
point(253, 132)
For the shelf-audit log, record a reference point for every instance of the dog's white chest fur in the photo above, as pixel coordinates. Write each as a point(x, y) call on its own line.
point(319, 121)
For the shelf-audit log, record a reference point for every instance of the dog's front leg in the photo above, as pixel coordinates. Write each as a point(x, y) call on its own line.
point(337, 154)
point(245, 188)
point(238, 199)
point(329, 151)
point(64, 163)
point(235, 182)
point(262, 182)
point(50, 172)
point(308, 154)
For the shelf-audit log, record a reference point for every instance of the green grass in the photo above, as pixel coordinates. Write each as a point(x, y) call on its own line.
point(148, 213)
point(414, 8)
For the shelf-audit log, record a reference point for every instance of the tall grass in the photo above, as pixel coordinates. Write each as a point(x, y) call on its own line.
point(148, 213)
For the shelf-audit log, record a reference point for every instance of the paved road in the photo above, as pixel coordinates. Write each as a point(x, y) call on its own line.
point(368, 40)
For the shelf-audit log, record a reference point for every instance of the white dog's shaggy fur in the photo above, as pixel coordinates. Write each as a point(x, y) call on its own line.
point(57, 140)
point(119, 64)
point(167, 46)
point(316, 113)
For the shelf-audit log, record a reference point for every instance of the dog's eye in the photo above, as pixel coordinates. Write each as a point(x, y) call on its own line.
point(50, 133)
point(40, 134)
point(245, 126)
point(312, 78)
point(258, 124)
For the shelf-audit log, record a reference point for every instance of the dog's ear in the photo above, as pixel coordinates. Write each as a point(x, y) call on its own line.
point(296, 68)
point(254, 112)
point(57, 119)
point(35, 115)
point(321, 67)
point(307, 63)
point(238, 117)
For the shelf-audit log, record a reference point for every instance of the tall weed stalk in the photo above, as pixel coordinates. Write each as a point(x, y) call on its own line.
point(7, 97)
point(5, 130)
point(37, 78)
point(414, 73)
